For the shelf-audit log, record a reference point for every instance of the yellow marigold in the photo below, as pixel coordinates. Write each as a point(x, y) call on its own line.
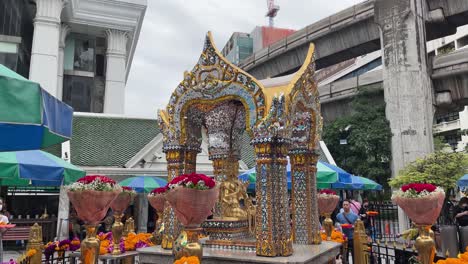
point(102, 250)
point(105, 243)
point(188, 260)
point(31, 252)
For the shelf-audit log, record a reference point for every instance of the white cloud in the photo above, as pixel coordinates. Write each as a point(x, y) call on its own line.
point(173, 32)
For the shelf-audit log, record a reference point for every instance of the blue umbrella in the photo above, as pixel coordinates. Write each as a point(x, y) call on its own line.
point(36, 167)
point(30, 118)
point(143, 184)
point(358, 183)
point(463, 181)
point(326, 175)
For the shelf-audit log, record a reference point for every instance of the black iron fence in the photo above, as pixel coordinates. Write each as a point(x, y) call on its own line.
point(385, 252)
point(384, 225)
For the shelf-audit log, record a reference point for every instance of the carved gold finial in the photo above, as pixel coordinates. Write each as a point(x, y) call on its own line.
point(35, 242)
point(129, 226)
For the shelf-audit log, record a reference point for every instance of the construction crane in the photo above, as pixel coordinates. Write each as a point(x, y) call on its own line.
point(272, 11)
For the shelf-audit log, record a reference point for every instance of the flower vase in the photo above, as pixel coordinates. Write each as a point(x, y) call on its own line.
point(90, 246)
point(423, 210)
point(157, 234)
point(425, 244)
point(187, 243)
point(117, 230)
point(158, 202)
point(328, 225)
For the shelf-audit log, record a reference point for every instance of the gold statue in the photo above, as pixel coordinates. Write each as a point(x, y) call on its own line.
point(231, 192)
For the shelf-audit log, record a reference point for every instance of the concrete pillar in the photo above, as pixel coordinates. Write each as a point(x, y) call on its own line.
point(64, 30)
point(45, 47)
point(406, 80)
point(63, 214)
point(463, 126)
point(114, 98)
point(142, 213)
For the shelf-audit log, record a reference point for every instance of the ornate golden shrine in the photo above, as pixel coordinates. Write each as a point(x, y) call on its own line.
point(282, 120)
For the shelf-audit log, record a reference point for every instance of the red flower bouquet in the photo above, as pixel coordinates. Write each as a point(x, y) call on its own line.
point(92, 195)
point(422, 202)
point(156, 198)
point(327, 201)
point(192, 196)
point(123, 200)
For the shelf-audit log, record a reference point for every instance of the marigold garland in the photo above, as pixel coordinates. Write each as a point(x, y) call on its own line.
point(461, 259)
point(336, 236)
point(187, 260)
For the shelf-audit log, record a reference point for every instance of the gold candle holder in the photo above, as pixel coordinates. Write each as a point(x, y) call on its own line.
point(157, 236)
point(90, 246)
point(117, 231)
point(328, 226)
point(188, 244)
point(425, 244)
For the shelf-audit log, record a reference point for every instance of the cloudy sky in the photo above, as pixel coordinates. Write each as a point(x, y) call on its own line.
point(172, 37)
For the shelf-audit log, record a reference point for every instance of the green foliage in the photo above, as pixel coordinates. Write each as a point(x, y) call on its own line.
point(440, 144)
point(367, 152)
point(439, 168)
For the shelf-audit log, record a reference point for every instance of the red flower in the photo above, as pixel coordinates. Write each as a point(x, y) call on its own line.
point(327, 191)
point(91, 178)
point(419, 187)
point(160, 190)
point(193, 178)
point(126, 188)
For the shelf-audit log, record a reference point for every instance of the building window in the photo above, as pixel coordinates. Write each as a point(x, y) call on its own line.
point(84, 55)
point(8, 55)
point(447, 117)
point(77, 92)
point(462, 42)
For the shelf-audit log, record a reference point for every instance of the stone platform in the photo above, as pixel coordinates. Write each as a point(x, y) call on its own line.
point(303, 254)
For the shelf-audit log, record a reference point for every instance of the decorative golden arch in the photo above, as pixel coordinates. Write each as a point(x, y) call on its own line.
point(213, 80)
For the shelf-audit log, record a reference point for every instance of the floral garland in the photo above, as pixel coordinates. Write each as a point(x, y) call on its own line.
point(187, 260)
point(159, 190)
point(192, 181)
point(129, 190)
point(54, 246)
point(327, 192)
point(336, 236)
point(460, 259)
point(129, 243)
point(94, 183)
point(417, 190)
point(27, 255)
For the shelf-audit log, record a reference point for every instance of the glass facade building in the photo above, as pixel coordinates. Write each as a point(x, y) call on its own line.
point(16, 33)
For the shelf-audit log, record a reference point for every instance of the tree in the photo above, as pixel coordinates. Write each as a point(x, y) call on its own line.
point(368, 135)
point(440, 168)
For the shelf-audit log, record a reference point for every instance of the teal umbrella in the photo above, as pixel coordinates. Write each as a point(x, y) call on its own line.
point(37, 168)
point(358, 183)
point(327, 174)
point(30, 118)
point(143, 184)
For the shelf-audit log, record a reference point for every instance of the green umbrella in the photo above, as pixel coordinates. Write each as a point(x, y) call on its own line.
point(143, 184)
point(36, 167)
point(30, 118)
point(325, 176)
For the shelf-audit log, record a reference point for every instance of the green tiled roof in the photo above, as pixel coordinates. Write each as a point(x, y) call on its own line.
point(109, 141)
point(112, 142)
point(54, 150)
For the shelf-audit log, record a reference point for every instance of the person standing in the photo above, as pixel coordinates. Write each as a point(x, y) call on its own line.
point(348, 217)
point(3, 217)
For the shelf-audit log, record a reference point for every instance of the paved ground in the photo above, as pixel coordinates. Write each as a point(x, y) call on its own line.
point(11, 254)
